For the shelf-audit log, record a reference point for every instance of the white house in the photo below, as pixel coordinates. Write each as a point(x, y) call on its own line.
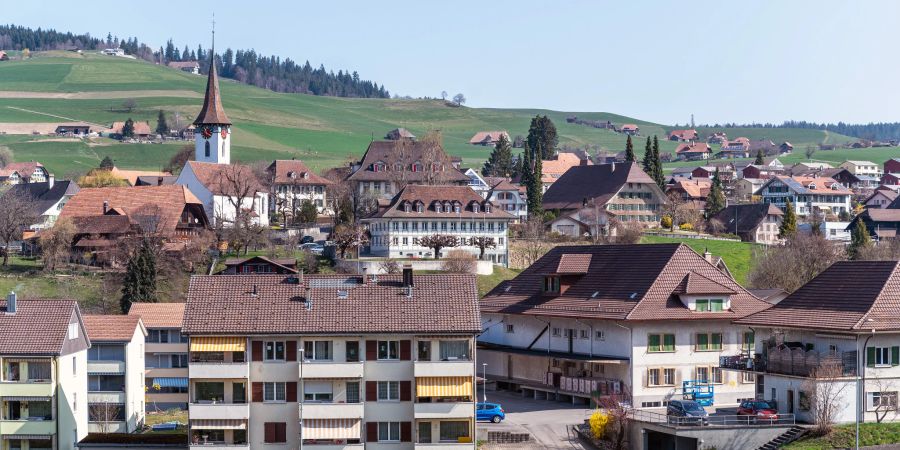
point(295, 183)
point(867, 168)
point(806, 193)
point(584, 322)
point(46, 199)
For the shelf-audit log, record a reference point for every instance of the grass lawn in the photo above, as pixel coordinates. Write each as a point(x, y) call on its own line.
point(487, 282)
point(844, 436)
point(737, 255)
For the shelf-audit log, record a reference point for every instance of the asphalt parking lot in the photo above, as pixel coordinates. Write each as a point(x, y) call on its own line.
point(547, 421)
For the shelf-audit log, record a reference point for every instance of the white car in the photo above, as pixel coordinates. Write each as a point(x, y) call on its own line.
point(312, 247)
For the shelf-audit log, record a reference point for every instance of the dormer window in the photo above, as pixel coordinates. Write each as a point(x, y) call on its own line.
point(487, 207)
point(456, 208)
point(419, 207)
point(407, 207)
point(379, 167)
point(398, 167)
point(447, 207)
point(417, 167)
point(292, 175)
point(437, 207)
point(475, 207)
point(812, 185)
point(710, 305)
point(551, 284)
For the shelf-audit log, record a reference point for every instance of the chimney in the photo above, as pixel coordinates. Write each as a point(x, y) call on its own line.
point(707, 255)
point(365, 270)
point(407, 276)
point(308, 298)
point(105, 206)
point(50, 180)
point(159, 181)
point(11, 303)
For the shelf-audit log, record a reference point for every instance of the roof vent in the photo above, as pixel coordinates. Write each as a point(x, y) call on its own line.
point(595, 294)
point(343, 293)
point(633, 295)
point(507, 288)
point(254, 293)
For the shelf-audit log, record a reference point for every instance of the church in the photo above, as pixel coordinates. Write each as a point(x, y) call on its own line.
point(229, 192)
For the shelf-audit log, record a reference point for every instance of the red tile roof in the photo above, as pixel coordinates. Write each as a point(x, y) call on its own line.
point(696, 147)
point(552, 169)
point(225, 304)
point(430, 196)
point(489, 137)
point(293, 171)
point(696, 284)
point(112, 328)
point(25, 169)
point(573, 263)
point(685, 135)
point(140, 128)
point(226, 179)
point(406, 153)
point(39, 326)
point(158, 315)
point(166, 202)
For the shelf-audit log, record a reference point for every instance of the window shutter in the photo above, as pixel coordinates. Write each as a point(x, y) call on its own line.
point(646, 376)
point(268, 432)
point(291, 349)
point(870, 356)
point(653, 342)
point(405, 350)
point(371, 350)
point(371, 391)
point(290, 391)
point(371, 431)
point(669, 342)
point(895, 356)
point(281, 432)
point(405, 391)
point(405, 431)
point(257, 392)
point(677, 376)
point(257, 350)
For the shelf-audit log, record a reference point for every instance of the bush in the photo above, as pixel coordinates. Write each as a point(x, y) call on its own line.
point(459, 261)
point(598, 422)
point(628, 233)
point(389, 266)
point(666, 222)
point(686, 227)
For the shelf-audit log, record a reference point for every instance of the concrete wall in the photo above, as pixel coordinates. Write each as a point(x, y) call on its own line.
point(71, 399)
point(373, 266)
point(705, 438)
point(134, 380)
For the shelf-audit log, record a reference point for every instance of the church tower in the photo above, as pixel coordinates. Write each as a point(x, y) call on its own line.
point(212, 135)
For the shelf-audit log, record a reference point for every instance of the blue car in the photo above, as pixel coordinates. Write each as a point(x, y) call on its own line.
point(489, 411)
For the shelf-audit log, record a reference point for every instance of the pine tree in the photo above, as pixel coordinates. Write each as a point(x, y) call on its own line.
point(649, 163)
point(139, 284)
point(859, 239)
point(759, 158)
point(107, 163)
point(162, 127)
point(525, 168)
point(658, 175)
point(789, 222)
point(715, 201)
point(128, 128)
point(500, 163)
point(629, 150)
point(534, 188)
point(542, 133)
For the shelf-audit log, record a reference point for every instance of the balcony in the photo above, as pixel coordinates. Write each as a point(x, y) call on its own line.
point(212, 446)
point(33, 427)
point(794, 361)
point(446, 446)
point(27, 389)
point(218, 370)
point(334, 446)
point(166, 372)
point(117, 397)
point(463, 368)
point(444, 410)
point(107, 427)
point(332, 410)
point(219, 411)
point(106, 367)
point(153, 347)
point(329, 369)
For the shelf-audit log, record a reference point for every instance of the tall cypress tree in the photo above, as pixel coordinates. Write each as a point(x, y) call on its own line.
point(542, 133)
point(649, 163)
point(759, 158)
point(162, 127)
point(499, 164)
point(658, 175)
point(139, 284)
point(859, 239)
point(525, 168)
point(531, 178)
point(629, 150)
point(715, 201)
point(789, 222)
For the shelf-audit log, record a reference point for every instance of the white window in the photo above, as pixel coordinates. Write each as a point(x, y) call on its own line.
point(599, 335)
point(557, 331)
point(274, 351)
point(653, 377)
point(882, 400)
point(669, 376)
point(273, 392)
point(510, 328)
point(317, 391)
point(584, 334)
point(388, 431)
point(388, 391)
point(388, 350)
point(73, 330)
point(317, 350)
point(882, 356)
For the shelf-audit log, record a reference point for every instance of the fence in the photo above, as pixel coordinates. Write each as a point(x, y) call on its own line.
point(713, 420)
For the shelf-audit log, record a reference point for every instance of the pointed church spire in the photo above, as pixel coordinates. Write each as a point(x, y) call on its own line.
point(212, 112)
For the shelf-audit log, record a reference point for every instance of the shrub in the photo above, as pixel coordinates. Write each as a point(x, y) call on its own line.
point(598, 422)
point(666, 222)
point(459, 261)
point(686, 227)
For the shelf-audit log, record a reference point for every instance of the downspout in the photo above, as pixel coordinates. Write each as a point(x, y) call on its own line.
point(590, 336)
point(56, 401)
point(630, 358)
point(860, 384)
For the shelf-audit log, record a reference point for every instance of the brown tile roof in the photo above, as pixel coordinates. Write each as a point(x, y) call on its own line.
point(184, 64)
point(158, 315)
point(489, 137)
point(25, 169)
point(628, 127)
point(695, 188)
point(430, 196)
point(225, 304)
point(218, 178)
point(417, 152)
point(111, 328)
point(696, 284)
point(573, 263)
point(501, 184)
point(103, 224)
point(212, 112)
point(843, 297)
point(293, 171)
point(289, 265)
point(552, 169)
point(600, 182)
point(696, 147)
point(623, 282)
point(745, 218)
point(686, 135)
point(131, 176)
point(140, 128)
point(168, 202)
point(39, 327)
point(802, 184)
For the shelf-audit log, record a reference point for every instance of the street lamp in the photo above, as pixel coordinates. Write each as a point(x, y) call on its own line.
point(484, 382)
point(302, 351)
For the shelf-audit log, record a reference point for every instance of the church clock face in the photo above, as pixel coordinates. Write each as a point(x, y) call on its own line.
point(206, 131)
point(224, 132)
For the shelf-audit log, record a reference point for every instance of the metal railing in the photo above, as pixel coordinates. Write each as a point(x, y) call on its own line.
point(720, 420)
point(792, 361)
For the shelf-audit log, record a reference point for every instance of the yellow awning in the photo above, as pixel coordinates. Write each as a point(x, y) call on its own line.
point(218, 344)
point(444, 387)
point(331, 429)
point(219, 424)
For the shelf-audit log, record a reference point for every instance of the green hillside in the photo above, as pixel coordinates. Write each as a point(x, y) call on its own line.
point(58, 86)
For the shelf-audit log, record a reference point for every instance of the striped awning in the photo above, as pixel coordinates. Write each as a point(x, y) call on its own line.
point(444, 387)
point(219, 424)
point(331, 429)
point(218, 344)
point(27, 436)
point(171, 382)
point(24, 399)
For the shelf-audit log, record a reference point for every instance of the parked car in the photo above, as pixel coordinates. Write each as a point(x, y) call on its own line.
point(307, 239)
point(759, 409)
point(312, 247)
point(686, 412)
point(489, 411)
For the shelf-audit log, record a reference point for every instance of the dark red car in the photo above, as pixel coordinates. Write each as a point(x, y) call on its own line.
point(759, 409)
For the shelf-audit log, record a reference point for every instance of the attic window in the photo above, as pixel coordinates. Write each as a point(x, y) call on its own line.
point(710, 305)
point(406, 207)
point(487, 207)
point(475, 207)
point(456, 208)
point(419, 207)
point(417, 167)
point(292, 175)
point(551, 284)
point(398, 167)
point(437, 207)
point(342, 293)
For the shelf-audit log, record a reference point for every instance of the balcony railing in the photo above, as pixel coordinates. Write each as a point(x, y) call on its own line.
point(203, 410)
point(330, 369)
point(31, 427)
point(27, 388)
point(106, 367)
point(444, 410)
point(218, 370)
point(796, 361)
point(593, 386)
point(456, 368)
point(116, 397)
point(316, 410)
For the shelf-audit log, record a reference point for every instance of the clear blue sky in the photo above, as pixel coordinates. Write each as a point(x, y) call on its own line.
point(659, 61)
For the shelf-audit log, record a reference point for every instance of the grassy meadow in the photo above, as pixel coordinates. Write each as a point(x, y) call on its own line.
point(737, 255)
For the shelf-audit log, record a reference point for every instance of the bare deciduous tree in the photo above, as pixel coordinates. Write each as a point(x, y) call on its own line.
point(459, 261)
point(532, 245)
point(459, 99)
point(389, 266)
point(628, 232)
point(104, 414)
point(483, 243)
point(346, 237)
point(56, 243)
point(793, 264)
point(824, 389)
point(16, 214)
point(438, 241)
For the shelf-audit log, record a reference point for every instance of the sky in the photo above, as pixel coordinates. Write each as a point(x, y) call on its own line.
point(757, 61)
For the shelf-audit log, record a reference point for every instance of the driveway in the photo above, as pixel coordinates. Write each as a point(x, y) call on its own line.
point(547, 421)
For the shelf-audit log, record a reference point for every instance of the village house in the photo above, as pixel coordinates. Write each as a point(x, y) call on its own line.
point(867, 168)
point(132, 177)
point(488, 138)
point(890, 179)
point(43, 374)
point(75, 129)
point(502, 192)
point(692, 192)
point(809, 167)
point(683, 135)
point(892, 165)
point(155, 180)
point(760, 171)
point(752, 222)
point(587, 222)
point(807, 193)
point(745, 188)
point(186, 66)
point(624, 190)
point(45, 199)
point(420, 210)
point(115, 368)
point(578, 325)
point(552, 169)
point(880, 198)
point(766, 145)
point(294, 183)
point(786, 148)
point(835, 330)
point(259, 265)
point(399, 133)
point(882, 223)
point(388, 166)
point(165, 355)
point(693, 151)
point(24, 172)
point(737, 148)
point(629, 129)
point(839, 174)
point(717, 138)
point(726, 170)
point(386, 360)
point(142, 130)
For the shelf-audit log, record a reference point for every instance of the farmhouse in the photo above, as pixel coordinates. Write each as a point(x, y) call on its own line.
point(629, 129)
point(880, 198)
point(693, 151)
point(186, 66)
point(45, 199)
point(683, 135)
point(753, 222)
point(488, 138)
point(77, 129)
point(387, 166)
point(552, 169)
point(24, 172)
point(259, 265)
point(141, 129)
point(399, 133)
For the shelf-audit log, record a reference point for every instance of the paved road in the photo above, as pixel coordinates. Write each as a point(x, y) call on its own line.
point(546, 421)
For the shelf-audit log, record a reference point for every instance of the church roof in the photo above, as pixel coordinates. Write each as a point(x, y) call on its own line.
point(212, 113)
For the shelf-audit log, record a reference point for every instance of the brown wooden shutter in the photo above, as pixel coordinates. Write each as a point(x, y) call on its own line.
point(405, 431)
point(257, 350)
point(405, 350)
point(280, 432)
point(290, 391)
point(257, 392)
point(371, 350)
point(371, 431)
point(291, 349)
point(371, 391)
point(405, 391)
point(268, 432)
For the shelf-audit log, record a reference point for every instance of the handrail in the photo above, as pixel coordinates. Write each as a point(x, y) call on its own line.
point(712, 420)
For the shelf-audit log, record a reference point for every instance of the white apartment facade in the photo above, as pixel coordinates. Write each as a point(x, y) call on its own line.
point(165, 355)
point(866, 168)
point(501, 192)
point(806, 194)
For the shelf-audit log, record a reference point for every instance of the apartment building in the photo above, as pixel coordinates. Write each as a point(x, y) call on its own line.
point(419, 211)
point(332, 362)
point(806, 194)
point(821, 340)
point(43, 374)
point(165, 355)
point(501, 191)
point(865, 168)
point(623, 322)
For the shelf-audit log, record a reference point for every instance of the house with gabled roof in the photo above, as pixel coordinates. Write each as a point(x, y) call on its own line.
point(24, 172)
point(594, 321)
point(388, 166)
point(488, 138)
point(693, 151)
point(753, 222)
point(629, 129)
point(295, 183)
point(881, 197)
point(683, 135)
point(165, 354)
point(259, 265)
point(807, 193)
